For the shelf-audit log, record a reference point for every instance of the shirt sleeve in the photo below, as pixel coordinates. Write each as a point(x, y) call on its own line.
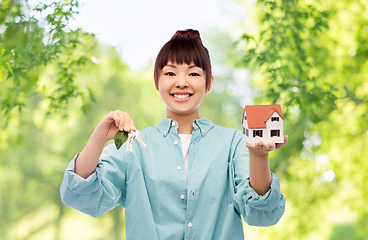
point(103, 190)
point(256, 210)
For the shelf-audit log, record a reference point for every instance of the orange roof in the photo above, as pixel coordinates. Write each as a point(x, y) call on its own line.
point(257, 115)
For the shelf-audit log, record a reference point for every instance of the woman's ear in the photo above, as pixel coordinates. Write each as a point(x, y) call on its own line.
point(209, 88)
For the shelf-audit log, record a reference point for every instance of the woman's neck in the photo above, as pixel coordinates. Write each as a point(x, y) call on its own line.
point(185, 121)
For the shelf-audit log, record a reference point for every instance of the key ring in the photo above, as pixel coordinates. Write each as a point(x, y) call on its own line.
point(121, 137)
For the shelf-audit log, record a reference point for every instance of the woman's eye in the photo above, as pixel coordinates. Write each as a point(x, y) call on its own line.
point(194, 74)
point(169, 74)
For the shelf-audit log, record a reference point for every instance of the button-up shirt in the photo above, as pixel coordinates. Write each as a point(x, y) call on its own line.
point(150, 183)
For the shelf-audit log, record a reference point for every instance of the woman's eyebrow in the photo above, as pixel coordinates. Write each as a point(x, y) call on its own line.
point(174, 66)
point(170, 65)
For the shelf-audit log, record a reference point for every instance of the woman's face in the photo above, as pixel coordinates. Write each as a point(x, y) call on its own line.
point(182, 88)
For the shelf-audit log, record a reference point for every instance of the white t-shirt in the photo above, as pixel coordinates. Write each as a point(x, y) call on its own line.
point(185, 141)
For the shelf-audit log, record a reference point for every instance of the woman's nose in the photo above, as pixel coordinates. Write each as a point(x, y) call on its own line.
point(181, 82)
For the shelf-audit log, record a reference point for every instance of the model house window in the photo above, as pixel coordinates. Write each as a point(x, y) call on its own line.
point(247, 132)
point(257, 133)
point(245, 118)
point(275, 133)
point(275, 119)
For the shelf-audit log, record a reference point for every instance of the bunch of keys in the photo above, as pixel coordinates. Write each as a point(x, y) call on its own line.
point(121, 137)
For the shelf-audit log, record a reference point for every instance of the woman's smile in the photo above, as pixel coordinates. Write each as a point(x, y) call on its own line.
point(181, 96)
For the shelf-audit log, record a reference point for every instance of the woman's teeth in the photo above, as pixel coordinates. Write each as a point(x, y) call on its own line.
point(181, 96)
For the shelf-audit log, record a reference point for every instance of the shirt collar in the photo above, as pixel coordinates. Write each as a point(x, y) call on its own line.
point(204, 125)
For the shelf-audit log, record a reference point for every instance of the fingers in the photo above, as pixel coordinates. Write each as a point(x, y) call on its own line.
point(261, 145)
point(258, 148)
point(122, 121)
point(261, 148)
point(265, 147)
point(280, 145)
point(132, 126)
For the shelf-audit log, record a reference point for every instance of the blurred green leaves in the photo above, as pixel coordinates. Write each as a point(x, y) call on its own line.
point(30, 39)
point(283, 51)
point(312, 58)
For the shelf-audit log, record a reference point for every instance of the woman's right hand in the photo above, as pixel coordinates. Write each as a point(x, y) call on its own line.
point(112, 123)
point(105, 130)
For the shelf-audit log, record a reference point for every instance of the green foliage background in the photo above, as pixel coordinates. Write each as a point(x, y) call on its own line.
point(311, 57)
point(56, 84)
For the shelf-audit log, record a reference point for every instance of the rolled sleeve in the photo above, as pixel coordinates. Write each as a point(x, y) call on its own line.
point(267, 202)
point(76, 183)
point(257, 210)
point(101, 191)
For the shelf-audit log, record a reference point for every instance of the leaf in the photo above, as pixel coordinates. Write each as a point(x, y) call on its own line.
point(120, 138)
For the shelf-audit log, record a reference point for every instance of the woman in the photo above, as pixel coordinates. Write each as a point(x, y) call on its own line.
point(194, 179)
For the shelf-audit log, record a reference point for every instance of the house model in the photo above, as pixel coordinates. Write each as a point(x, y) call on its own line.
point(263, 123)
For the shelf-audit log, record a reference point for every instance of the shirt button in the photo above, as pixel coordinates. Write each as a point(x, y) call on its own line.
point(203, 131)
point(182, 196)
point(175, 142)
point(192, 168)
point(173, 123)
point(190, 225)
point(178, 167)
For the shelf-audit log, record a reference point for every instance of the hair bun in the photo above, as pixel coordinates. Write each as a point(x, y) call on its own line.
point(188, 33)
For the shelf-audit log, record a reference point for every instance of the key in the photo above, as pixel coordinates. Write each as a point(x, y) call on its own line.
point(129, 145)
point(139, 139)
point(131, 136)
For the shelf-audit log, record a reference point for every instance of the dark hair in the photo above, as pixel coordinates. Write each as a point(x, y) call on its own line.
point(184, 47)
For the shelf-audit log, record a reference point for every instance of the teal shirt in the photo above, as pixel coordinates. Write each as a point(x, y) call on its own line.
point(150, 183)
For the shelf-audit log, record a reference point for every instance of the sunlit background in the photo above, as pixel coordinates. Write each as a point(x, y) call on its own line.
point(138, 29)
point(63, 67)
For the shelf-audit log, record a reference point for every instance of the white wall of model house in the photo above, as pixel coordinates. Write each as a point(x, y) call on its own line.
point(272, 133)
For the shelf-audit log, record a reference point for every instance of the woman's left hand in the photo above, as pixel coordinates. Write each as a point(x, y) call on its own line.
point(263, 148)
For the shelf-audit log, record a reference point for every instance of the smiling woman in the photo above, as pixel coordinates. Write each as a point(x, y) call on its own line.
point(223, 179)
